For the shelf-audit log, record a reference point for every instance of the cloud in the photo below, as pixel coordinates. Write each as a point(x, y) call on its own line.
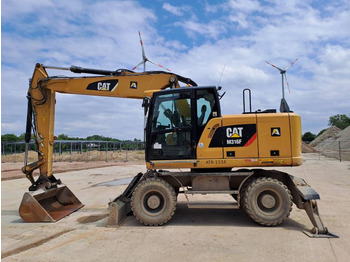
point(213, 29)
point(246, 6)
point(176, 10)
point(238, 35)
point(66, 34)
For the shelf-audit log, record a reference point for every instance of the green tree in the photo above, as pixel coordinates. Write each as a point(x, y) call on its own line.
point(62, 137)
point(308, 136)
point(96, 138)
point(9, 138)
point(22, 137)
point(340, 121)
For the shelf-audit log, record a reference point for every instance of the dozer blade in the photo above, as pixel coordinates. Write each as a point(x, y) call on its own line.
point(120, 207)
point(48, 205)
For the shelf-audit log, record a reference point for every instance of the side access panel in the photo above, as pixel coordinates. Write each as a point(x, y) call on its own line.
point(274, 135)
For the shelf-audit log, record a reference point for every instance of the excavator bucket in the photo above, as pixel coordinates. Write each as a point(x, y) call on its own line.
point(48, 205)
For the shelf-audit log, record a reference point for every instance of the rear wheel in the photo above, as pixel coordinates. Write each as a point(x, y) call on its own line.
point(153, 202)
point(267, 201)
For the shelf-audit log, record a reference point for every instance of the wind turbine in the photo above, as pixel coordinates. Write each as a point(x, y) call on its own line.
point(145, 59)
point(284, 105)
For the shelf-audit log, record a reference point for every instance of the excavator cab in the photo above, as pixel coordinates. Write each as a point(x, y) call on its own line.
point(176, 120)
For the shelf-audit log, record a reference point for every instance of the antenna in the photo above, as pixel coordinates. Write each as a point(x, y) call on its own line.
point(223, 70)
point(145, 59)
point(284, 105)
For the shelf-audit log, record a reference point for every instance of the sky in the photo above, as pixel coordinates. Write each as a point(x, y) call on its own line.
point(222, 43)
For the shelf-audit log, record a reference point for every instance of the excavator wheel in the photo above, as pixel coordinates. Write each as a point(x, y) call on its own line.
point(242, 193)
point(267, 201)
point(153, 202)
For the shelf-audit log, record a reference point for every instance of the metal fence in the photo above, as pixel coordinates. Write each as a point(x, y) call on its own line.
point(73, 147)
point(335, 149)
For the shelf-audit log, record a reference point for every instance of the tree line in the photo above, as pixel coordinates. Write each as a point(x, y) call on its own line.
point(20, 138)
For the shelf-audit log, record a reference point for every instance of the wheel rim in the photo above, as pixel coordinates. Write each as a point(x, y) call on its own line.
point(153, 203)
point(269, 202)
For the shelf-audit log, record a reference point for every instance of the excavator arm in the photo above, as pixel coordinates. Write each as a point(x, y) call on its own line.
point(41, 114)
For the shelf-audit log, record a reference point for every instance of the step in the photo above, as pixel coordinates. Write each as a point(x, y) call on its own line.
point(204, 192)
point(213, 205)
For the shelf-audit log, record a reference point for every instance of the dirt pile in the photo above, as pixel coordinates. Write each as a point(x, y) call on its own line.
point(329, 133)
point(305, 148)
point(334, 143)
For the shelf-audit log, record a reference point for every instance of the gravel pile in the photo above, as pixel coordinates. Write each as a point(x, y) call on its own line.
point(329, 133)
point(305, 148)
point(333, 143)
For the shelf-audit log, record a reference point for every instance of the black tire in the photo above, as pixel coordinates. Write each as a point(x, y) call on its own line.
point(153, 202)
point(242, 193)
point(267, 201)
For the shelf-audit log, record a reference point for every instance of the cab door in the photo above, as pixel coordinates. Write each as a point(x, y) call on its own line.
point(169, 130)
point(208, 120)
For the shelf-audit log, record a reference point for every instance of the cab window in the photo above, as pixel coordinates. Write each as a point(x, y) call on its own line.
point(205, 107)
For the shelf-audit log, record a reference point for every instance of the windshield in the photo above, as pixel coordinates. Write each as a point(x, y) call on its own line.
point(172, 111)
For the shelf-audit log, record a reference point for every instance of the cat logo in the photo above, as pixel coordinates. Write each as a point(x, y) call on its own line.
point(275, 131)
point(234, 132)
point(105, 85)
point(133, 85)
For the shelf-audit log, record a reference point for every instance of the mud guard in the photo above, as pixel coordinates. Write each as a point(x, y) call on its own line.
point(120, 207)
point(305, 198)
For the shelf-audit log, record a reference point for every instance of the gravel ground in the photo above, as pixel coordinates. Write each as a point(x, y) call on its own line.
point(13, 170)
point(191, 235)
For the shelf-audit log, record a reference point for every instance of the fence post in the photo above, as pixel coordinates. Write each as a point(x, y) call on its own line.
point(87, 153)
point(106, 151)
point(3, 153)
point(71, 145)
point(15, 154)
point(339, 151)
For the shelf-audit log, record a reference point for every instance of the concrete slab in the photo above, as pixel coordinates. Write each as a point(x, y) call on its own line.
point(191, 235)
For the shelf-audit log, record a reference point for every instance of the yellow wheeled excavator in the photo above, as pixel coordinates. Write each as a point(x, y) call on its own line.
point(184, 128)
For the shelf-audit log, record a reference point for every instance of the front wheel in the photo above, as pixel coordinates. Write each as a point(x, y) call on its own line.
point(153, 202)
point(267, 201)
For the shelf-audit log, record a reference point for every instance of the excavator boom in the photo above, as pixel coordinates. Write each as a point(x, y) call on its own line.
point(48, 199)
